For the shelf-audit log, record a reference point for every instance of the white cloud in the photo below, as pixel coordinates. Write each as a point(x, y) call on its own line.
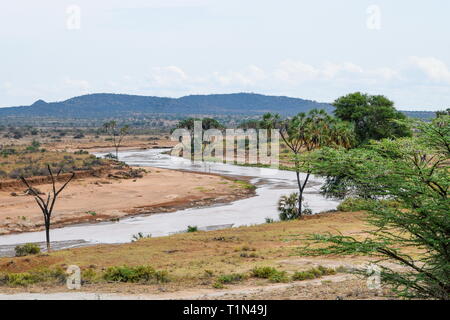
point(252, 75)
point(297, 72)
point(323, 82)
point(385, 73)
point(81, 85)
point(168, 76)
point(433, 68)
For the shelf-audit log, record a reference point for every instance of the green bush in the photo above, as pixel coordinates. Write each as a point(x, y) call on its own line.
point(192, 229)
point(263, 272)
point(326, 271)
point(270, 273)
point(39, 276)
point(27, 249)
point(139, 236)
point(218, 285)
point(359, 204)
point(288, 207)
point(144, 274)
point(89, 275)
point(313, 273)
point(279, 276)
point(303, 275)
point(20, 279)
point(231, 278)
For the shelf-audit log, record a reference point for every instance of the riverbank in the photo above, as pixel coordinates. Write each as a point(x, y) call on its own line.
point(97, 199)
point(195, 262)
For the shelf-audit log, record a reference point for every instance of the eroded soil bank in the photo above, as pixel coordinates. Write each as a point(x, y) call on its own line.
point(97, 199)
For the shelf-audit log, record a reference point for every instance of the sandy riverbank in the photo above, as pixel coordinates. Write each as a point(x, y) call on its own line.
point(102, 199)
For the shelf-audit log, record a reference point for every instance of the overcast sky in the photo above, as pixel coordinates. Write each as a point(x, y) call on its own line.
point(53, 50)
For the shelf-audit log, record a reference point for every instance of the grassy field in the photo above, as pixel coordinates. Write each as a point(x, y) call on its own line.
point(32, 160)
point(201, 259)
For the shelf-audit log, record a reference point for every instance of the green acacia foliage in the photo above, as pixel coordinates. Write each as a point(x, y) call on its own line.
point(374, 117)
point(414, 172)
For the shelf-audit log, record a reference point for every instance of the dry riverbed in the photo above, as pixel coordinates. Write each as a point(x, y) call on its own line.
point(95, 199)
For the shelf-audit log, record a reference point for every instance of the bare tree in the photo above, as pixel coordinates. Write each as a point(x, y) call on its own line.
point(117, 134)
point(48, 204)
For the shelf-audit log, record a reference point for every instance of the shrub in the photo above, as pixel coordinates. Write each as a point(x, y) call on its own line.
point(218, 285)
point(358, 204)
point(269, 220)
point(145, 274)
point(20, 279)
point(88, 275)
point(27, 278)
point(279, 276)
point(192, 229)
point(231, 278)
point(326, 271)
point(288, 207)
point(270, 273)
point(303, 275)
point(140, 236)
point(79, 152)
point(27, 249)
point(263, 272)
point(313, 273)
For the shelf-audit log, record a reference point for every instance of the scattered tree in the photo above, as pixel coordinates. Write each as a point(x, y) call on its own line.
point(306, 132)
point(117, 134)
point(47, 205)
point(413, 172)
point(374, 117)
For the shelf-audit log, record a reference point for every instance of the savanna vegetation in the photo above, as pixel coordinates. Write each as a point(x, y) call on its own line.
point(33, 160)
point(391, 173)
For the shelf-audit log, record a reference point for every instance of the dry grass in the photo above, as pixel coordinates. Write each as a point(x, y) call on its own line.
point(34, 162)
point(197, 259)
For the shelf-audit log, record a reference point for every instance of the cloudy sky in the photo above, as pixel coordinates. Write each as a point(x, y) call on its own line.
point(319, 50)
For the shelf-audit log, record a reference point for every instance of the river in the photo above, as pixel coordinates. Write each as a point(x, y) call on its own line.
point(271, 184)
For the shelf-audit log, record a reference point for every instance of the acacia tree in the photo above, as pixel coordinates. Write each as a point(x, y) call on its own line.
point(47, 205)
point(415, 174)
point(117, 134)
point(374, 116)
point(306, 132)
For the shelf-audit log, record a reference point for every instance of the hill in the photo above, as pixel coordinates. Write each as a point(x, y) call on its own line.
point(105, 105)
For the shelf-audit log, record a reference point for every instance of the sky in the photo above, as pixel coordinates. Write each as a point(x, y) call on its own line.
point(318, 50)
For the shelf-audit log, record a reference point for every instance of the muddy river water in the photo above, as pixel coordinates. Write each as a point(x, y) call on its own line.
point(271, 185)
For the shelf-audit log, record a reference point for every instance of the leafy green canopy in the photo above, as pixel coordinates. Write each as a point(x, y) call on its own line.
point(374, 117)
point(414, 172)
point(207, 123)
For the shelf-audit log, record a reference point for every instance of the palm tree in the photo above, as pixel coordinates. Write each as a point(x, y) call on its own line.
point(288, 207)
point(306, 132)
point(342, 134)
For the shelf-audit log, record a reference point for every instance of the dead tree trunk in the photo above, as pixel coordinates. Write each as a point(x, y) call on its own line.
point(47, 205)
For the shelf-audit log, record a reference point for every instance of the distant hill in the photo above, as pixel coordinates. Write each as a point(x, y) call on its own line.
point(106, 105)
point(423, 115)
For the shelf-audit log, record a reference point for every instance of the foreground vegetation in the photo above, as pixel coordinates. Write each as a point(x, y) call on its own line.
point(33, 160)
point(256, 254)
